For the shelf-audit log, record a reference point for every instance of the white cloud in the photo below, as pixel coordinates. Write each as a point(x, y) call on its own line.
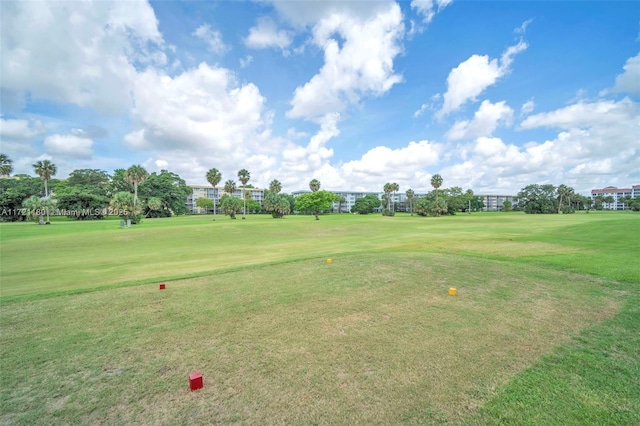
point(213, 38)
point(484, 123)
point(244, 62)
point(428, 8)
point(362, 64)
point(266, 35)
point(629, 80)
point(17, 135)
point(597, 138)
point(473, 76)
point(527, 107)
point(523, 28)
point(81, 53)
point(70, 146)
point(202, 116)
point(303, 13)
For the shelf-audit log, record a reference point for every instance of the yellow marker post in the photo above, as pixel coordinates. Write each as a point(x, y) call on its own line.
point(453, 291)
point(329, 261)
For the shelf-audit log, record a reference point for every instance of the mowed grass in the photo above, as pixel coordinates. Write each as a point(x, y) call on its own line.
point(544, 330)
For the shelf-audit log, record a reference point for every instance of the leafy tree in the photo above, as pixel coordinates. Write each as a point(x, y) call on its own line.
point(119, 182)
point(366, 205)
point(204, 203)
point(314, 185)
point(436, 182)
point(456, 200)
point(168, 187)
point(538, 199)
point(598, 201)
point(634, 203)
point(13, 192)
point(6, 165)
point(123, 203)
point(231, 205)
point(507, 206)
point(36, 207)
point(253, 206)
point(315, 202)
point(410, 194)
point(45, 169)
point(86, 193)
point(214, 177)
point(276, 204)
point(136, 174)
point(244, 176)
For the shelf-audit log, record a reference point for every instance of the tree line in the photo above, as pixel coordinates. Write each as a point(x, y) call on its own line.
point(546, 199)
point(91, 193)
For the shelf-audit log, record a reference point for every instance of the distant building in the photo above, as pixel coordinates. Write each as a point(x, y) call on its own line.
point(494, 203)
point(217, 193)
point(618, 194)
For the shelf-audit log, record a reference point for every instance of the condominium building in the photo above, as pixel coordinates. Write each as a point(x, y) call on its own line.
point(217, 193)
point(494, 203)
point(617, 194)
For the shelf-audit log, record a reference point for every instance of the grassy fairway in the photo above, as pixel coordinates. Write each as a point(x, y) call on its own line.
point(545, 328)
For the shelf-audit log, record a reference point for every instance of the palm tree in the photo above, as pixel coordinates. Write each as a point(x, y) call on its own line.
point(341, 201)
point(394, 187)
point(563, 191)
point(244, 176)
point(214, 177)
point(6, 165)
point(388, 189)
point(275, 186)
point(314, 185)
point(45, 169)
point(154, 204)
point(135, 175)
point(436, 182)
point(229, 187)
point(410, 194)
point(610, 200)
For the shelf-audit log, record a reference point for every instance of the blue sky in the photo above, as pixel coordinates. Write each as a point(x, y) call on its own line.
point(491, 95)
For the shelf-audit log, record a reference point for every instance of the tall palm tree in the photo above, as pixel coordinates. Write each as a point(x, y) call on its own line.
point(314, 185)
point(275, 186)
point(6, 165)
point(244, 176)
point(394, 187)
point(563, 191)
point(214, 177)
point(230, 187)
point(388, 189)
point(410, 194)
point(136, 174)
point(341, 201)
point(45, 169)
point(436, 182)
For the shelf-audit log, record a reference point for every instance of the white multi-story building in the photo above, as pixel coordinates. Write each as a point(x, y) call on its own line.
point(495, 203)
point(617, 194)
point(217, 193)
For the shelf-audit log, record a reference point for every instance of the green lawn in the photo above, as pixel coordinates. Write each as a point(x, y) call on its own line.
point(545, 328)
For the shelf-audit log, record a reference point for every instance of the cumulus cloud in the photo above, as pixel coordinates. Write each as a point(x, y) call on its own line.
point(629, 80)
point(428, 8)
point(266, 35)
point(484, 122)
point(358, 57)
point(204, 107)
point(213, 38)
point(82, 53)
point(473, 76)
point(596, 138)
point(70, 146)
